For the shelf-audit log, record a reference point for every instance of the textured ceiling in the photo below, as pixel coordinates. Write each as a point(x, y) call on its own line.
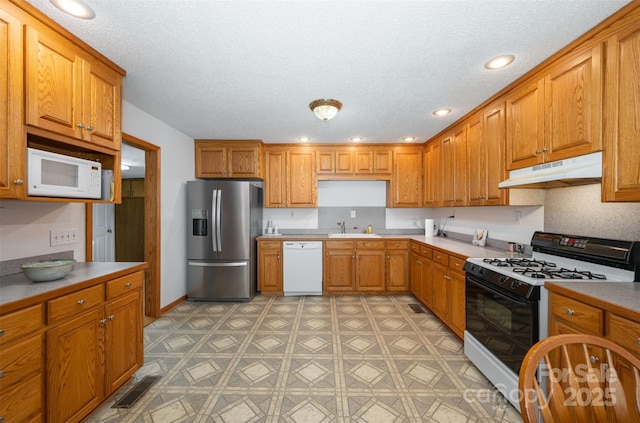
point(248, 69)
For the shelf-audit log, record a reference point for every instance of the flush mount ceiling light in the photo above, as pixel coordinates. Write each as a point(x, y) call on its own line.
point(304, 139)
point(409, 139)
point(325, 108)
point(500, 61)
point(357, 139)
point(76, 8)
point(442, 112)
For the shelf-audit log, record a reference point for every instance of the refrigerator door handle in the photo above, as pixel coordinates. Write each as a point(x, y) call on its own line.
point(218, 233)
point(214, 226)
point(234, 264)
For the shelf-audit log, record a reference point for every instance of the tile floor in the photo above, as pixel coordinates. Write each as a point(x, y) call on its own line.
point(307, 359)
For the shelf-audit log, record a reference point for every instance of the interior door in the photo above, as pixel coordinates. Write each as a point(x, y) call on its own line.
point(103, 232)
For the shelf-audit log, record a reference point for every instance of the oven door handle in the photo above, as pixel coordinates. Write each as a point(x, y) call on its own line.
point(497, 293)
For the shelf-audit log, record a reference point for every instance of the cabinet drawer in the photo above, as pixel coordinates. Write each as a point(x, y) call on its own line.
point(22, 401)
point(370, 245)
point(415, 247)
point(270, 245)
point(20, 323)
point(338, 245)
point(624, 332)
point(397, 245)
point(20, 360)
point(456, 263)
point(74, 303)
point(426, 252)
point(125, 284)
point(441, 258)
point(579, 315)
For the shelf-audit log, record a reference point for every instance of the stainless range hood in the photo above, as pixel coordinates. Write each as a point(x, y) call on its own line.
point(580, 170)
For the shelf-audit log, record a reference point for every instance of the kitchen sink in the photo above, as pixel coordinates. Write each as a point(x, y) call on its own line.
point(354, 236)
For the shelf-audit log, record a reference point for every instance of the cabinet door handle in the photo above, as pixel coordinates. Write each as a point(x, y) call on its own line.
point(127, 284)
point(594, 359)
point(418, 262)
point(1, 332)
point(81, 125)
point(89, 128)
point(538, 151)
point(112, 317)
point(18, 182)
point(81, 302)
point(1, 374)
point(388, 257)
point(638, 341)
point(570, 312)
point(103, 321)
point(447, 277)
point(545, 149)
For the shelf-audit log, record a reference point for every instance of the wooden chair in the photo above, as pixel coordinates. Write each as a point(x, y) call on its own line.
point(590, 379)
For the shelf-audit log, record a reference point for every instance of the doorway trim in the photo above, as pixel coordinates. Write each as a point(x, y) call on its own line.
point(152, 248)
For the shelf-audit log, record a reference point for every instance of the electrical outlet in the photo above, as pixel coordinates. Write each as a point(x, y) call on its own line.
point(353, 214)
point(63, 236)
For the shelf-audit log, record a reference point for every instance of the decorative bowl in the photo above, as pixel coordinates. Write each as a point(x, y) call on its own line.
point(47, 270)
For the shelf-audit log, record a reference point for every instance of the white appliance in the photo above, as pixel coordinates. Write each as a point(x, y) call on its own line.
point(56, 175)
point(302, 268)
point(507, 303)
point(579, 170)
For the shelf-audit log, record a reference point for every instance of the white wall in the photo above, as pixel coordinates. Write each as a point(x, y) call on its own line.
point(25, 226)
point(177, 166)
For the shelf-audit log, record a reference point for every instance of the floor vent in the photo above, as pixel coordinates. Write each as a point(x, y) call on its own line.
point(417, 308)
point(136, 392)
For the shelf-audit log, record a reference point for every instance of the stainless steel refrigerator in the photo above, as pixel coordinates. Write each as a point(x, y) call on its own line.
point(224, 219)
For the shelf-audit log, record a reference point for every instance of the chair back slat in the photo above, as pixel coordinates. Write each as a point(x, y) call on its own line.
point(581, 388)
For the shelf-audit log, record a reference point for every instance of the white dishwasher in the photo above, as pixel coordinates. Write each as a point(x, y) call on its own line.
point(302, 268)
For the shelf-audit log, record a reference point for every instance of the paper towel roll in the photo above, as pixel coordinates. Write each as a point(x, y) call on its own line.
point(428, 228)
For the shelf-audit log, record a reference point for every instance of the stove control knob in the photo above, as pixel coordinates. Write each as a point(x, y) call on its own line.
point(515, 284)
point(502, 279)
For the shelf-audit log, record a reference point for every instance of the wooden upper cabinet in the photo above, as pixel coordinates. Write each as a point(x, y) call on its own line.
point(301, 178)
point(225, 159)
point(525, 126)
point(485, 157)
point(558, 116)
point(275, 185)
point(406, 179)
point(361, 162)
point(621, 173)
point(573, 106)
point(290, 177)
point(335, 162)
point(433, 174)
point(69, 93)
point(12, 143)
point(454, 188)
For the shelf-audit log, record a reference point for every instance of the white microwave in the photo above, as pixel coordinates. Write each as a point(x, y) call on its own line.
point(56, 175)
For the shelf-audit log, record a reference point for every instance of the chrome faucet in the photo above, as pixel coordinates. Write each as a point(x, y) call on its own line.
point(342, 227)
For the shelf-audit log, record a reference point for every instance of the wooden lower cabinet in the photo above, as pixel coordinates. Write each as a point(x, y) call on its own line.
point(438, 281)
point(397, 266)
point(372, 266)
point(21, 357)
point(569, 315)
point(93, 345)
point(270, 280)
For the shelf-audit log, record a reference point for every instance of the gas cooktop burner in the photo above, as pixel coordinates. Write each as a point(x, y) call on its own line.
point(518, 262)
point(554, 273)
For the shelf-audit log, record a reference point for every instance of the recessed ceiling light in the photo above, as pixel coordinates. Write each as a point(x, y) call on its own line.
point(441, 112)
point(304, 139)
point(409, 139)
point(500, 61)
point(357, 139)
point(76, 8)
